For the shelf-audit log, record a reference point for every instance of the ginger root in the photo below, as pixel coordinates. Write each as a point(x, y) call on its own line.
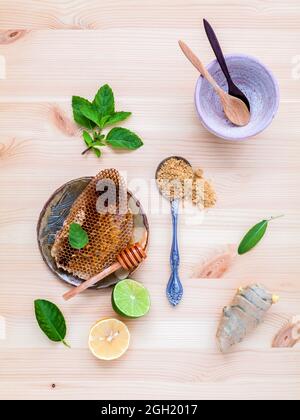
point(244, 314)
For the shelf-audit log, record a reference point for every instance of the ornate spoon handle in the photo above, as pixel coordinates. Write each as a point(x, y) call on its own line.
point(174, 287)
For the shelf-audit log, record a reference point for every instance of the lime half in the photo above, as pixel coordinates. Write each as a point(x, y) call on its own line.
point(130, 299)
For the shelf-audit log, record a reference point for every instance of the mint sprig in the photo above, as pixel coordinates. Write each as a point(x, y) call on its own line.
point(99, 114)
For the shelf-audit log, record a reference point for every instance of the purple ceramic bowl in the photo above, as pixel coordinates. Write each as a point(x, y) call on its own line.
point(257, 83)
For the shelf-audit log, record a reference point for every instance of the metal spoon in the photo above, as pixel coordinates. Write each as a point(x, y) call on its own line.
point(174, 287)
point(235, 109)
point(233, 90)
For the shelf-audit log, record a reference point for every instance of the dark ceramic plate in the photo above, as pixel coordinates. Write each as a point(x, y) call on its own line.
point(53, 216)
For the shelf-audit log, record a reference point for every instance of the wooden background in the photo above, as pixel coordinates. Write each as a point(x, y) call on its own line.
point(50, 50)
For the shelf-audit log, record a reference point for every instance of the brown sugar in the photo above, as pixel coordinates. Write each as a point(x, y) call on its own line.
point(177, 180)
point(173, 177)
point(210, 198)
point(203, 193)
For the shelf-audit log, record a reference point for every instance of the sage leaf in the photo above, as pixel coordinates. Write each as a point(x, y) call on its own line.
point(78, 238)
point(87, 138)
point(122, 138)
point(104, 101)
point(254, 236)
point(79, 117)
point(51, 320)
point(117, 117)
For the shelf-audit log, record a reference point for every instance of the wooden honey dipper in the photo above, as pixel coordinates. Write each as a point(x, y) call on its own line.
point(128, 259)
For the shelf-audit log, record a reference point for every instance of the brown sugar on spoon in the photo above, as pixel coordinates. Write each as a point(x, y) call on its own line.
point(173, 178)
point(176, 179)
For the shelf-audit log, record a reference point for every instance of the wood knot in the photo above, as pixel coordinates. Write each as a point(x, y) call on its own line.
point(12, 35)
point(63, 123)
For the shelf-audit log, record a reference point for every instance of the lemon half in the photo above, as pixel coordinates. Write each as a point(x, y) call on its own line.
point(109, 339)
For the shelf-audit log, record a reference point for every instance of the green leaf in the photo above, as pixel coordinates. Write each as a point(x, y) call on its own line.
point(252, 238)
point(98, 137)
point(87, 138)
point(254, 235)
point(104, 101)
point(98, 143)
point(122, 138)
point(50, 320)
point(117, 117)
point(97, 151)
point(79, 117)
point(104, 120)
point(78, 238)
point(90, 112)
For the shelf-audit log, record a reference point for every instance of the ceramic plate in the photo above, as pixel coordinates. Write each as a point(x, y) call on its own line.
point(53, 216)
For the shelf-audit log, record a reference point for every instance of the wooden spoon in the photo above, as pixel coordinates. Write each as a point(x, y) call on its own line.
point(235, 109)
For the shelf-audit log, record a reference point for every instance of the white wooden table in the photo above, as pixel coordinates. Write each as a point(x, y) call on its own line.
point(52, 50)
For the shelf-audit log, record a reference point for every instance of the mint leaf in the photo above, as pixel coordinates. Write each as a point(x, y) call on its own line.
point(104, 120)
point(98, 143)
point(97, 151)
point(87, 138)
point(104, 101)
point(89, 111)
point(117, 117)
point(98, 114)
point(51, 320)
point(122, 138)
point(93, 143)
point(79, 117)
point(78, 238)
point(98, 137)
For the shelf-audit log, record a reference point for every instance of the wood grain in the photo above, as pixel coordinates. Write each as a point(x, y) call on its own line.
point(51, 50)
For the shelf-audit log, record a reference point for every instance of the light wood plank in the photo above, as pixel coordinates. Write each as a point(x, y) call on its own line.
point(92, 14)
point(178, 375)
point(133, 60)
point(132, 45)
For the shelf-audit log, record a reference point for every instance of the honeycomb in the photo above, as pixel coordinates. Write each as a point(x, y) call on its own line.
point(110, 230)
